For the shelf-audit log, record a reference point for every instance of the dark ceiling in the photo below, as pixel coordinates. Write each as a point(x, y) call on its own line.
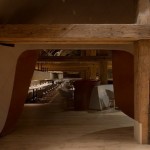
point(60, 52)
point(67, 11)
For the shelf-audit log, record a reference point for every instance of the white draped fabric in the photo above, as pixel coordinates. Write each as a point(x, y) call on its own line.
point(99, 99)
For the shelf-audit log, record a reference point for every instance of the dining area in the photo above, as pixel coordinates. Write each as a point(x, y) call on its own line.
point(42, 91)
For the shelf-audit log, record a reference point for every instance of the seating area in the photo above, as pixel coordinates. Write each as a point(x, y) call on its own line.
point(100, 98)
point(42, 93)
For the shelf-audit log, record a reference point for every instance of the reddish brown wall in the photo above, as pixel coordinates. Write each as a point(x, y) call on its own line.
point(24, 71)
point(123, 77)
point(82, 93)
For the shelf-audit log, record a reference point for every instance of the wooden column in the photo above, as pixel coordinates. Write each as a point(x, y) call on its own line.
point(93, 71)
point(90, 52)
point(93, 68)
point(88, 73)
point(141, 87)
point(143, 12)
point(82, 74)
point(141, 90)
point(103, 71)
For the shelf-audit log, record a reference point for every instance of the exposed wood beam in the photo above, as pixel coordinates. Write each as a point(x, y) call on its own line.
point(73, 58)
point(65, 69)
point(68, 65)
point(73, 33)
point(64, 66)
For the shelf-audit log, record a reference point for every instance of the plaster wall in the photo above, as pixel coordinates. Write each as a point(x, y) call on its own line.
point(16, 67)
point(8, 64)
point(123, 79)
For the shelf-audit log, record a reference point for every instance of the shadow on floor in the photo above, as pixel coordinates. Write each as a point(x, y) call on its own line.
point(124, 134)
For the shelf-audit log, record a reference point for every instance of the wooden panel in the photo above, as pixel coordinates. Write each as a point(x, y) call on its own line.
point(23, 75)
point(73, 33)
point(123, 79)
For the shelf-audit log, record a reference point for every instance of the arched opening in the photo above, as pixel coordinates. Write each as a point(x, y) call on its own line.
point(87, 131)
point(101, 24)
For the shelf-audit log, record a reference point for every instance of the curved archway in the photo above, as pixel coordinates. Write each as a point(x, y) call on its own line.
point(123, 78)
point(23, 75)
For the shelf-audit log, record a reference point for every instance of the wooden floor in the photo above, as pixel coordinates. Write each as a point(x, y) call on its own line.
point(53, 127)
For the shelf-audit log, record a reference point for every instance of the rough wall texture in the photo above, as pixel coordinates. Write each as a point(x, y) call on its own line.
point(123, 77)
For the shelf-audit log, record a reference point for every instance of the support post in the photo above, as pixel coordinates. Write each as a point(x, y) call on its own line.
point(103, 72)
point(93, 71)
point(141, 90)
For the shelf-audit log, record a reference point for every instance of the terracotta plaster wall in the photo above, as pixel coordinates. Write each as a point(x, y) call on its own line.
point(23, 74)
point(123, 78)
point(82, 93)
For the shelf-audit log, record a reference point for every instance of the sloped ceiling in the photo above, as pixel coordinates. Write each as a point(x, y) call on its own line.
point(67, 11)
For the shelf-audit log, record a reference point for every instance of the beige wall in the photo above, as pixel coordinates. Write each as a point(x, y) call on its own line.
point(39, 75)
point(8, 62)
point(24, 64)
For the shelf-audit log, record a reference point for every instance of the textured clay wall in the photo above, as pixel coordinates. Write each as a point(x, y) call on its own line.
point(123, 77)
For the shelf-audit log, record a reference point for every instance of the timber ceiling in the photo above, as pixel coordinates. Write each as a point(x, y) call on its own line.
point(67, 11)
point(60, 52)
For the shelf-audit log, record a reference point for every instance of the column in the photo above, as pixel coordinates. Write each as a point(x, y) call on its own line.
point(141, 90)
point(90, 52)
point(93, 71)
point(103, 71)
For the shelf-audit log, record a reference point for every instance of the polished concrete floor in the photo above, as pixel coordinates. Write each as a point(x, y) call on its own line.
point(53, 127)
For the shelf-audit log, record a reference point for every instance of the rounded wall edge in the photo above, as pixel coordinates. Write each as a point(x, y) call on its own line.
point(123, 79)
point(23, 74)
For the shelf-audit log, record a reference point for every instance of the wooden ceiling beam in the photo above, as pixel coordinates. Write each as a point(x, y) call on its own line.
point(73, 58)
point(65, 69)
point(73, 33)
point(69, 65)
